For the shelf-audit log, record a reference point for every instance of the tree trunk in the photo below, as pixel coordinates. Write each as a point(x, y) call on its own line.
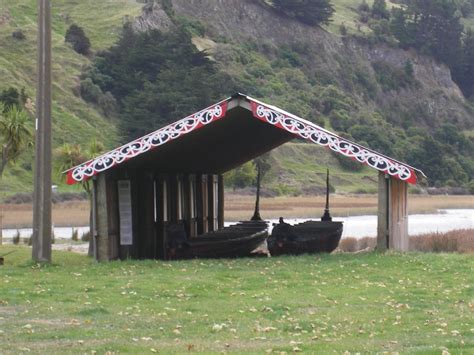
point(4, 161)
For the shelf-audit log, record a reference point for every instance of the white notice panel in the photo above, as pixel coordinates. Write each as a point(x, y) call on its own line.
point(125, 211)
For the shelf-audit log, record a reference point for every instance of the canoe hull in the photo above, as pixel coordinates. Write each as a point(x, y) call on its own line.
point(226, 248)
point(305, 238)
point(231, 242)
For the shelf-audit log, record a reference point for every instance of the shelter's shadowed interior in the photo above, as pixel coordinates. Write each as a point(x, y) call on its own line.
point(215, 148)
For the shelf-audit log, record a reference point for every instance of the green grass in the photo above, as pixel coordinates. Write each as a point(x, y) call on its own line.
point(411, 303)
point(346, 13)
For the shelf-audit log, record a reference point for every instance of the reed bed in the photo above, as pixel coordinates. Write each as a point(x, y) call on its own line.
point(455, 241)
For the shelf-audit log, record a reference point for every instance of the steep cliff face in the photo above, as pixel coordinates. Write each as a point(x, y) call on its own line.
point(434, 99)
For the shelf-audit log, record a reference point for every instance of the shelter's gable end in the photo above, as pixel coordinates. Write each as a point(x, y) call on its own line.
point(313, 133)
point(146, 143)
point(261, 111)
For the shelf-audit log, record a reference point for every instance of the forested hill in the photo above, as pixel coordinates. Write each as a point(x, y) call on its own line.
point(363, 71)
point(364, 82)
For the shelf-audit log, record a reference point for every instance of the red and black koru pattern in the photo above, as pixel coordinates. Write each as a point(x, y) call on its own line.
point(318, 135)
point(150, 141)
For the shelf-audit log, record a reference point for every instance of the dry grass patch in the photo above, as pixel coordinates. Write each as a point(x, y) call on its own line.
point(352, 245)
point(460, 241)
point(456, 241)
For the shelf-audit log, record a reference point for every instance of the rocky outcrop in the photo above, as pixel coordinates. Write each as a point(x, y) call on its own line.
point(152, 18)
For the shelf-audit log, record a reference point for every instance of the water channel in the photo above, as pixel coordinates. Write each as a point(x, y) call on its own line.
point(357, 226)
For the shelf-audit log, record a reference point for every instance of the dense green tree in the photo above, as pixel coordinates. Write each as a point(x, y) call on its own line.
point(10, 97)
point(15, 134)
point(433, 26)
point(363, 7)
point(379, 9)
point(70, 155)
point(464, 74)
point(156, 79)
point(77, 37)
point(240, 177)
point(465, 7)
point(399, 27)
point(311, 12)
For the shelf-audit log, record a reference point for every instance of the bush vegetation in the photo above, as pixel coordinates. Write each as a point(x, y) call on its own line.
point(431, 27)
point(19, 35)
point(311, 12)
point(154, 78)
point(76, 36)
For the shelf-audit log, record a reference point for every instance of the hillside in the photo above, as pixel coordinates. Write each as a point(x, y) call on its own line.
point(397, 101)
point(325, 59)
point(74, 121)
point(338, 81)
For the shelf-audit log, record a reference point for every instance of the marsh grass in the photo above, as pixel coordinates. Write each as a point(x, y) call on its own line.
point(351, 245)
point(358, 303)
point(75, 235)
point(456, 241)
point(460, 241)
point(16, 238)
point(86, 237)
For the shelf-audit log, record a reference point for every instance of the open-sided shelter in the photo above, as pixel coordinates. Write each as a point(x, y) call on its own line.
point(176, 174)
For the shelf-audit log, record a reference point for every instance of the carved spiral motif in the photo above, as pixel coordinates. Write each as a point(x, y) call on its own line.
point(146, 143)
point(335, 143)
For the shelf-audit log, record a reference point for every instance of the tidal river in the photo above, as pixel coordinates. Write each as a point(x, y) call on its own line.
point(357, 226)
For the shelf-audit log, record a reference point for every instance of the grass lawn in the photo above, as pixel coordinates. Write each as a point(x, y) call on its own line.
point(421, 303)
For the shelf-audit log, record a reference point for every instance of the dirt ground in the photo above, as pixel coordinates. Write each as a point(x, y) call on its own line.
point(237, 207)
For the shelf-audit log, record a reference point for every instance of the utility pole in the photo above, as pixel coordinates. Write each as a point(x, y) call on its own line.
point(42, 195)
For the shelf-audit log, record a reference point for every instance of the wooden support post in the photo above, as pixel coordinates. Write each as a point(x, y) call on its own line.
point(202, 203)
point(145, 238)
point(382, 212)
point(398, 217)
point(102, 238)
point(113, 219)
point(162, 216)
point(392, 228)
point(220, 213)
point(93, 221)
point(211, 203)
point(189, 202)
